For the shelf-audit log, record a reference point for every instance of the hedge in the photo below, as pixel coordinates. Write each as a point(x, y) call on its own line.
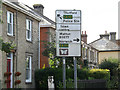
point(100, 74)
point(82, 74)
point(41, 76)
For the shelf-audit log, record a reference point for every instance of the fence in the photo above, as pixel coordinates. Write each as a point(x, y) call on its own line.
point(96, 83)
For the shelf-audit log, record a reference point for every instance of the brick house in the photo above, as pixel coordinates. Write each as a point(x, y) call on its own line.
point(47, 28)
point(24, 27)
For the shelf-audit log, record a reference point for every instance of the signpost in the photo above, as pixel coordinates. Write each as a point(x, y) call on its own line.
point(68, 26)
point(68, 37)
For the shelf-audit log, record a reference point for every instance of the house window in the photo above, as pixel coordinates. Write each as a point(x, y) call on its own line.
point(86, 53)
point(28, 29)
point(29, 69)
point(92, 55)
point(9, 23)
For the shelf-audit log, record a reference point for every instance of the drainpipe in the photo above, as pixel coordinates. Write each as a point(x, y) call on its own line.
point(39, 47)
point(15, 69)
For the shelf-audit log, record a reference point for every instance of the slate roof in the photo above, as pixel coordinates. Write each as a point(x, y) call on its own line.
point(88, 45)
point(31, 10)
point(104, 44)
point(43, 16)
point(118, 42)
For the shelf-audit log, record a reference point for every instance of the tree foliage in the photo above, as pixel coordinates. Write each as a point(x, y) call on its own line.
point(114, 66)
point(41, 76)
point(6, 46)
point(109, 64)
point(50, 52)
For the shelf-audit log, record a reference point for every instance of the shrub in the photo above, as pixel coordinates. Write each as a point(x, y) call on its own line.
point(41, 76)
point(69, 83)
point(111, 64)
point(69, 74)
point(100, 74)
point(82, 74)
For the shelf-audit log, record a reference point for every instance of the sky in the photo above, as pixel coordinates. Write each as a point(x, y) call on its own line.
point(98, 16)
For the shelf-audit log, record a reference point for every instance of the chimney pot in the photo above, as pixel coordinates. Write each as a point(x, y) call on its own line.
point(39, 8)
point(112, 36)
point(105, 32)
point(82, 32)
point(85, 32)
point(84, 37)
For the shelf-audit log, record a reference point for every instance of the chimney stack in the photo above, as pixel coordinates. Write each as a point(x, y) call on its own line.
point(112, 36)
point(82, 32)
point(84, 37)
point(38, 8)
point(106, 35)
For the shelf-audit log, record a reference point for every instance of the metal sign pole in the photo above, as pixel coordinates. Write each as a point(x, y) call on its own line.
point(64, 73)
point(75, 73)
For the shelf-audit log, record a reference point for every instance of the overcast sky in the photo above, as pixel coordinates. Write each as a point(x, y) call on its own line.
point(98, 16)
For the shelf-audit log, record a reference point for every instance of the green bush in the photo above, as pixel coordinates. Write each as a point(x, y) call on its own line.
point(70, 83)
point(83, 74)
point(111, 64)
point(114, 66)
point(41, 76)
point(100, 74)
point(69, 74)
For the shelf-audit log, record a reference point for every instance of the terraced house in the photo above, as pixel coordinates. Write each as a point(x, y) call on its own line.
point(89, 54)
point(107, 45)
point(23, 26)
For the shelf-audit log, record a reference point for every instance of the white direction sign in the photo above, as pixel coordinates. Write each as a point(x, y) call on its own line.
point(68, 37)
point(67, 27)
point(68, 16)
point(68, 34)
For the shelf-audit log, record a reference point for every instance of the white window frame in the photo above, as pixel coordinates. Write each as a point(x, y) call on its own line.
point(11, 23)
point(28, 29)
point(30, 68)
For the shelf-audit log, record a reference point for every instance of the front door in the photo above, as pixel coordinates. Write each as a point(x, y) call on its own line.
point(9, 69)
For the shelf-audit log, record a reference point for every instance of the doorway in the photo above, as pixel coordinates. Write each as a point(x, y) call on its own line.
point(10, 69)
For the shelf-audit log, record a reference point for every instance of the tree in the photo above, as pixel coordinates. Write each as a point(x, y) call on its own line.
point(50, 52)
point(111, 64)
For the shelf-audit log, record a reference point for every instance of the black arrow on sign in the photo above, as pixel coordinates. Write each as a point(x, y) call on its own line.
point(58, 15)
point(77, 39)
